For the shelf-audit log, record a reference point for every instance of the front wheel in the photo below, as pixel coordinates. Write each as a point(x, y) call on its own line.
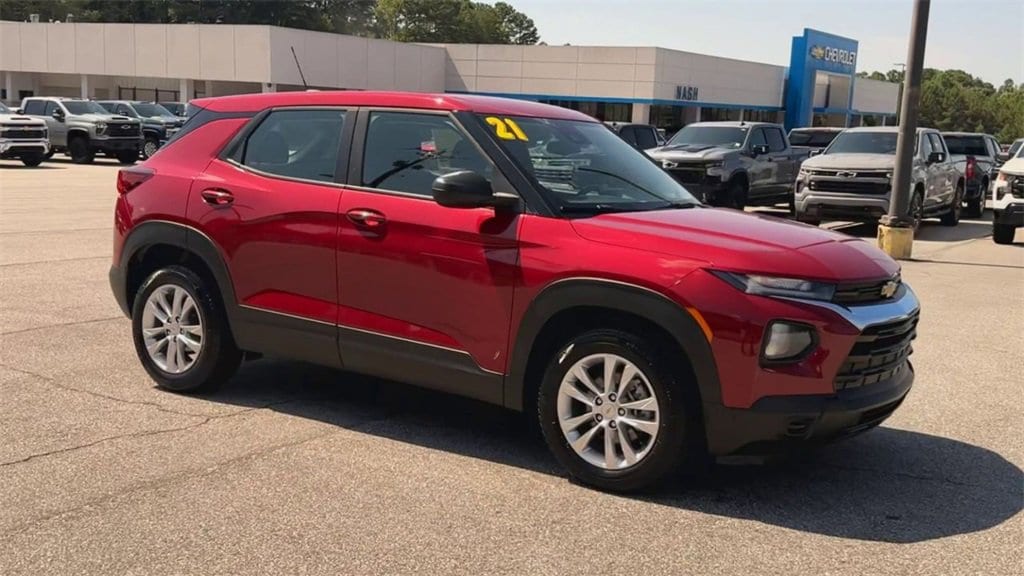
point(1003, 233)
point(736, 194)
point(149, 148)
point(80, 150)
point(181, 332)
point(916, 210)
point(615, 413)
point(32, 159)
point(952, 217)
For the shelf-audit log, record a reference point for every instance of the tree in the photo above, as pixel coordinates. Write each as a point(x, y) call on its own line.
point(517, 27)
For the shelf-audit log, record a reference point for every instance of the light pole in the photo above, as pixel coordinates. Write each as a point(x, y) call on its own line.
point(899, 95)
point(896, 229)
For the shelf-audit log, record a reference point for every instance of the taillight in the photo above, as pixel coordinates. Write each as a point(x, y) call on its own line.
point(129, 178)
point(971, 162)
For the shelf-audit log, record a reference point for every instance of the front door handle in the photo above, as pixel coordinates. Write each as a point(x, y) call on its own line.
point(217, 197)
point(366, 218)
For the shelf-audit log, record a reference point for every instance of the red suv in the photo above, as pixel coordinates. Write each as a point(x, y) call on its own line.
point(509, 251)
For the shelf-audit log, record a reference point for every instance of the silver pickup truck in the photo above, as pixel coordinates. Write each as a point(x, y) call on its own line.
point(732, 164)
point(852, 179)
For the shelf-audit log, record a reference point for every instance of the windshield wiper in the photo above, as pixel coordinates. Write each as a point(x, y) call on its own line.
point(594, 209)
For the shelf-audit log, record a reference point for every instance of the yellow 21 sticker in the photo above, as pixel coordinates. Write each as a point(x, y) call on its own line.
point(507, 129)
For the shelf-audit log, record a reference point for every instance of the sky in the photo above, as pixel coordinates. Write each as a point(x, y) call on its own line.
point(982, 37)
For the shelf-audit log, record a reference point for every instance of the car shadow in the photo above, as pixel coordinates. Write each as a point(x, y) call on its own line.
point(887, 485)
point(17, 165)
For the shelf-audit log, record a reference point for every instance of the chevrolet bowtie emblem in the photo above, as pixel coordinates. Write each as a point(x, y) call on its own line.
point(845, 174)
point(889, 288)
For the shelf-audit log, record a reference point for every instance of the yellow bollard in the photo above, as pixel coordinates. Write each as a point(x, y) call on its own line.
point(897, 242)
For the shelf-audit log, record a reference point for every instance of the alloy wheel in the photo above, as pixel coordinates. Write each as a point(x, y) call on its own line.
point(172, 329)
point(608, 411)
point(149, 148)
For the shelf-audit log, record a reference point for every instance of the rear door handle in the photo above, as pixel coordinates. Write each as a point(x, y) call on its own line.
point(366, 218)
point(217, 197)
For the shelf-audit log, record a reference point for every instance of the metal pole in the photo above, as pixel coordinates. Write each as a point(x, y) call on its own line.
point(900, 201)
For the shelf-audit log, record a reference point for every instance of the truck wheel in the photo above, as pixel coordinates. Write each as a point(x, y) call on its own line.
point(49, 154)
point(32, 158)
point(736, 194)
point(952, 217)
point(127, 156)
point(181, 332)
point(1003, 233)
point(81, 151)
point(976, 206)
point(916, 209)
point(615, 413)
point(150, 148)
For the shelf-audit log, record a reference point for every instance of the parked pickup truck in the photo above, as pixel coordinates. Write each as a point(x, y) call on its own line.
point(977, 158)
point(852, 179)
point(158, 123)
point(82, 128)
point(732, 163)
point(22, 137)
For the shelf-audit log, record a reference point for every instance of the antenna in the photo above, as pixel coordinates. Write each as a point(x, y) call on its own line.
point(299, 66)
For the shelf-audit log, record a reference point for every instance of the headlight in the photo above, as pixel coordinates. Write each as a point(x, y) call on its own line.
point(803, 174)
point(1001, 177)
point(779, 287)
point(713, 168)
point(787, 341)
point(101, 127)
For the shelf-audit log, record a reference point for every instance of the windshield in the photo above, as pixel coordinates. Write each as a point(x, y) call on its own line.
point(865, 143)
point(4, 109)
point(585, 167)
point(811, 138)
point(730, 136)
point(83, 107)
point(966, 145)
point(146, 109)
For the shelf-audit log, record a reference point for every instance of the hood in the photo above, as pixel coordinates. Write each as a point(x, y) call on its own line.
point(1014, 166)
point(736, 241)
point(691, 152)
point(851, 161)
point(102, 118)
point(21, 120)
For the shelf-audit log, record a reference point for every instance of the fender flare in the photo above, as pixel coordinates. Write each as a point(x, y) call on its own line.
point(155, 232)
point(617, 296)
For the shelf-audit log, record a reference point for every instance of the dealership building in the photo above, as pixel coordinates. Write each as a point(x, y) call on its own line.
point(668, 88)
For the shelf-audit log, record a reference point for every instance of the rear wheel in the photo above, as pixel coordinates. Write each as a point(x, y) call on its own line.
point(976, 206)
point(32, 158)
point(181, 332)
point(80, 150)
point(127, 156)
point(952, 217)
point(614, 412)
point(1003, 233)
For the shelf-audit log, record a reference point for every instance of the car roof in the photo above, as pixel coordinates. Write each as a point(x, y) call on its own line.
point(964, 134)
point(415, 100)
point(733, 123)
point(818, 129)
point(885, 129)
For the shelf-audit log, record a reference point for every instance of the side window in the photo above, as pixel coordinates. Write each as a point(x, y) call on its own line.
point(50, 107)
point(993, 148)
point(926, 146)
point(937, 144)
point(296, 144)
point(406, 151)
point(35, 107)
point(776, 143)
point(107, 106)
point(125, 111)
point(646, 138)
point(757, 138)
point(628, 134)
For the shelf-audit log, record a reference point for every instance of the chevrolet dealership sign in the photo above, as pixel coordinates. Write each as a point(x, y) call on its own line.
point(835, 55)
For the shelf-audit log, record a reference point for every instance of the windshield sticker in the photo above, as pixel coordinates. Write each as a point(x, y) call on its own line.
point(507, 129)
point(428, 147)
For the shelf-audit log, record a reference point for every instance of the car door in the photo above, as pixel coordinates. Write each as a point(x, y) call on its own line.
point(759, 171)
point(58, 128)
point(270, 204)
point(780, 163)
point(944, 173)
point(425, 291)
point(646, 137)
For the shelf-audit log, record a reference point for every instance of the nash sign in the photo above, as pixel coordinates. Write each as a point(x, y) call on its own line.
point(687, 93)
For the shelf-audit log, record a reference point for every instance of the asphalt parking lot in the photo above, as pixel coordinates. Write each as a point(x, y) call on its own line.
point(292, 469)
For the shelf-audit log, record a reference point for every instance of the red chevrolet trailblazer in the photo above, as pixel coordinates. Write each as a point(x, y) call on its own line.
point(514, 252)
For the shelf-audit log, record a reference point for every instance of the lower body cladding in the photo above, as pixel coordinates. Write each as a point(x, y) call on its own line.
point(854, 207)
point(853, 374)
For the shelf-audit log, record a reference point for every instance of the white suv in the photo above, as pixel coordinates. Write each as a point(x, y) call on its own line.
point(1008, 199)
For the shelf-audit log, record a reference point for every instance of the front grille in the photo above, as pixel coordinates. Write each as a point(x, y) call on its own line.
point(1017, 186)
point(849, 186)
point(26, 133)
point(881, 353)
point(116, 129)
point(866, 292)
point(687, 176)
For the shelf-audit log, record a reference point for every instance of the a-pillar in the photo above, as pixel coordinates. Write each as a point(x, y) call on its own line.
point(641, 113)
point(186, 90)
point(269, 87)
point(85, 86)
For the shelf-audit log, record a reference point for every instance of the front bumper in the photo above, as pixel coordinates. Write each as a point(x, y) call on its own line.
point(1011, 215)
point(853, 207)
point(17, 147)
point(117, 144)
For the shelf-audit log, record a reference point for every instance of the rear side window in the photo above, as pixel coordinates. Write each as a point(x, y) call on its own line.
point(34, 107)
point(406, 151)
point(301, 144)
point(628, 134)
point(936, 143)
point(776, 143)
point(966, 145)
point(51, 107)
point(646, 138)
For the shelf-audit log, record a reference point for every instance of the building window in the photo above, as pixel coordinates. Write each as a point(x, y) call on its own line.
point(759, 115)
point(604, 111)
point(719, 114)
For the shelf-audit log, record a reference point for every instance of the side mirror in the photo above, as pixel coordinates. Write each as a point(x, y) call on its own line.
point(467, 189)
point(816, 152)
point(759, 149)
point(19, 111)
point(58, 115)
point(936, 157)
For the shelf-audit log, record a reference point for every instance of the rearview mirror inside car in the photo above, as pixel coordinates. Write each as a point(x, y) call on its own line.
point(467, 189)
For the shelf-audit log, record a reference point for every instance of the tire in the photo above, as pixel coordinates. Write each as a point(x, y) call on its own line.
point(736, 194)
point(49, 154)
point(127, 156)
point(33, 159)
point(204, 323)
point(149, 147)
point(1003, 233)
point(976, 206)
point(674, 434)
point(80, 150)
point(916, 209)
point(952, 216)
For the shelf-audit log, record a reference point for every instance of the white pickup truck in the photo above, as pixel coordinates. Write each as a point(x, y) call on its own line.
point(22, 137)
point(1008, 199)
